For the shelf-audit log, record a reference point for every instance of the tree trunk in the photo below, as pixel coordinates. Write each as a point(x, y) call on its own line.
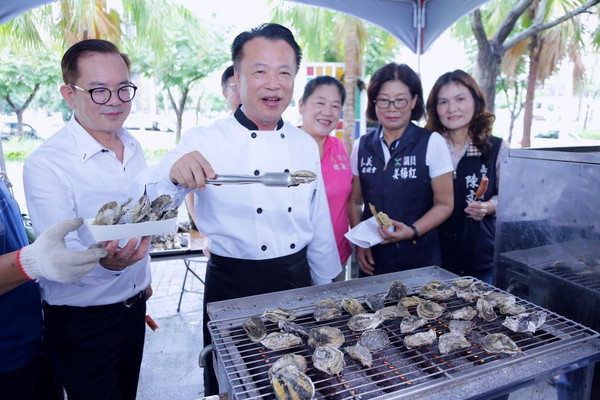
point(530, 94)
point(351, 52)
point(488, 67)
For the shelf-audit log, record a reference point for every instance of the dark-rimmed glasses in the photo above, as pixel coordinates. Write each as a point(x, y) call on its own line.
point(399, 104)
point(102, 95)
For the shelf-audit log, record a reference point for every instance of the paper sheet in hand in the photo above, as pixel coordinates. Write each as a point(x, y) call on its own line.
point(366, 233)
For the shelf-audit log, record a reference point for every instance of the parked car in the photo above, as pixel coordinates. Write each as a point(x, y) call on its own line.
point(561, 138)
point(9, 129)
point(141, 122)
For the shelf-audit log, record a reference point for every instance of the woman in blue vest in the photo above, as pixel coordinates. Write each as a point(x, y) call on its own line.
point(402, 170)
point(456, 108)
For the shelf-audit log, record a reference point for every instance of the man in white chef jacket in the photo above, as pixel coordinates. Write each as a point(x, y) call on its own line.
point(262, 239)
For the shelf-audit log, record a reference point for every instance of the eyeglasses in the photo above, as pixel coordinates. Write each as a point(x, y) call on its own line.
point(399, 104)
point(102, 95)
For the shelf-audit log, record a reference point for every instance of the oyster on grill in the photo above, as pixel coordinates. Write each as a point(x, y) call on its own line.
point(374, 302)
point(420, 339)
point(513, 310)
point(499, 299)
point(255, 328)
point(466, 313)
point(412, 322)
point(281, 341)
point(352, 306)
point(396, 291)
point(326, 310)
point(294, 328)
point(460, 327)
point(436, 290)
point(392, 312)
point(289, 383)
point(467, 295)
point(410, 301)
point(288, 360)
point(360, 354)
point(526, 322)
point(278, 314)
point(451, 342)
point(328, 359)
point(362, 322)
point(430, 310)
point(485, 310)
point(460, 285)
point(499, 343)
point(326, 336)
point(480, 289)
point(374, 340)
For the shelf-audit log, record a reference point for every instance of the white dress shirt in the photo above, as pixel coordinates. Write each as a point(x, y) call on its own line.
point(253, 221)
point(72, 175)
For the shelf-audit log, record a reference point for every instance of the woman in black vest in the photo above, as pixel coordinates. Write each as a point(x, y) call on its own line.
point(456, 108)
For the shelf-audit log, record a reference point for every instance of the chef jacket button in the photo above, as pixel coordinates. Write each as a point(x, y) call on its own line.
point(263, 247)
point(292, 246)
point(289, 209)
point(259, 210)
point(253, 135)
point(282, 135)
point(256, 172)
point(286, 170)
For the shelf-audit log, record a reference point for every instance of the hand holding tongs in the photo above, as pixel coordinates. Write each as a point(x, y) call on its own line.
point(277, 179)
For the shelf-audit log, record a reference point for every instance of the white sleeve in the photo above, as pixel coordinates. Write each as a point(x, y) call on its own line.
point(354, 157)
point(438, 157)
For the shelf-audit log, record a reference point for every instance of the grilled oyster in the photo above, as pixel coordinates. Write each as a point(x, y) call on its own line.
point(466, 313)
point(290, 384)
point(396, 291)
point(326, 310)
point(374, 340)
point(278, 314)
point(467, 295)
point(480, 289)
point(499, 299)
point(485, 310)
point(289, 360)
point(281, 341)
point(374, 302)
point(526, 322)
point(436, 290)
point(460, 327)
point(325, 336)
point(328, 359)
point(513, 310)
point(160, 207)
point(430, 310)
point(411, 323)
point(107, 214)
point(362, 322)
point(294, 328)
point(451, 342)
point(138, 212)
point(360, 354)
point(409, 301)
point(499, 343)
point(420, 339)
point(302, 176)
point(392, 312)
point(352, 306)
point(460, 285)
point(255, 328)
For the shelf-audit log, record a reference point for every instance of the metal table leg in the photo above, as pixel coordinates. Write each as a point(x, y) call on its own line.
point(187, 262)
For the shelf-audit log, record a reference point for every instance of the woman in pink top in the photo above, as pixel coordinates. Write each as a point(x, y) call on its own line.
point(321, 107)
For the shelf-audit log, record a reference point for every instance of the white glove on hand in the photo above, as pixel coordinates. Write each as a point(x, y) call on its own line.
point(48, 257)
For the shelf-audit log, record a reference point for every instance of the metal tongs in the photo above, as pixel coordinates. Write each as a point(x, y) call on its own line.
point(277, 179)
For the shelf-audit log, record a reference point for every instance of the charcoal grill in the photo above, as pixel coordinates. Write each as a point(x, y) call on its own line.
point(560, 345)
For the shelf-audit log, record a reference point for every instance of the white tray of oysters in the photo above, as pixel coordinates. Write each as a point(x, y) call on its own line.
point(116, 221)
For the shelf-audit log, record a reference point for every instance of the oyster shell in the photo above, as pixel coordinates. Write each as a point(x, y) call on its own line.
point(451, 342)
point(138, 212)
point(255, 328)
point(326, 310)
point(294, 328)
point(409, 301)
point(278, 314)
point(302, 176)
point(467, 295)
point(499, 299)
point(436, 290)
point(326, 336)
point(460, 327)
point(499, 343)
point(460, 285)
point(360, 354)
point(374, 302)
point(512, 310)
point(288, 360)
point(352, 306)
point(430, 310)
point(290, 383)
point(480, 289)
point(466, 313)
point(374, 340)
point(328, 359)
point(281, 341)
point(526, 322)
point(362, 322)
point(396, 291)
point(411, 323)
point(392, 312)
point(420, 339)
point(485, 310)
point(107, 214)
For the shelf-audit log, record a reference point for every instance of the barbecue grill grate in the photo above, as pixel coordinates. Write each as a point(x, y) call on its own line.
point(396, 368)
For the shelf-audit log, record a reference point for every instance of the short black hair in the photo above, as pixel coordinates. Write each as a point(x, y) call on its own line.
point(69, 63)
point(228, 73)
point(268, 31)
point(321, 80)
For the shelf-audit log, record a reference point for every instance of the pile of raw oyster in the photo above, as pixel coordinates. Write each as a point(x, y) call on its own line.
point(288, 375)
point(168, 241)
point(143, 210)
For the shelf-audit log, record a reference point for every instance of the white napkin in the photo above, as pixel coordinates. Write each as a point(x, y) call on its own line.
point(366, 234)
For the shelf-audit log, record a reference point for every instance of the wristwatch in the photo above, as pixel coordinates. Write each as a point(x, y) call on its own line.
point(416, 235)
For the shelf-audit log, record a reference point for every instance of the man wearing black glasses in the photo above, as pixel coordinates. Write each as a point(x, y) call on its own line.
point(94, 327)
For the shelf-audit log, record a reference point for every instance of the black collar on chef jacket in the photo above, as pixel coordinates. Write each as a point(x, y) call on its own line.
point(246, 123)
